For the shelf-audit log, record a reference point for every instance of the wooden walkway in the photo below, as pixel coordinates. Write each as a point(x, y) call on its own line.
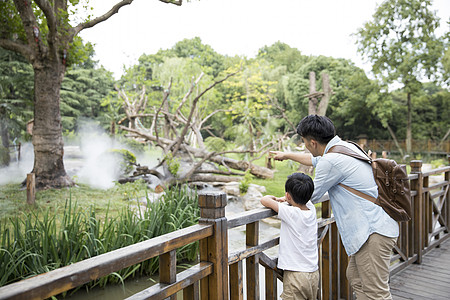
point(429, 280)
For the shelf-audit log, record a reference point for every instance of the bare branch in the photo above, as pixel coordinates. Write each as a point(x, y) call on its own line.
point(46, 8)
point(23, 49)
point(274, 101)
point(30, 25)
point(198, 165)
point(191, 89)
point(218, 172)
point(106, 16)
point(165, 97)
point(178, 3)
point(210, 115)
point(194, 104)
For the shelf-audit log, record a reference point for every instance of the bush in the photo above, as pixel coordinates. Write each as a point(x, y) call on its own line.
point(42, 241)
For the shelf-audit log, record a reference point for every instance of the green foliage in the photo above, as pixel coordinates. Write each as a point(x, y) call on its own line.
point(16, 92)
point(401, 43)
point(173, 164)
point(245, 183)
point(41, 241)
point(127, 159)
point(215, 144)
point(82, 92)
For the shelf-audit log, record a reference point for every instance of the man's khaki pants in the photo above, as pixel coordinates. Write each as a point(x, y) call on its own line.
point(368, 269)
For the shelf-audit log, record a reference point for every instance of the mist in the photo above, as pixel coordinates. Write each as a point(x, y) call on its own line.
point(86, 159)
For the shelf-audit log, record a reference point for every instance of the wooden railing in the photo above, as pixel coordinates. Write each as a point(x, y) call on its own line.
point(221, 276)
point(421, 146)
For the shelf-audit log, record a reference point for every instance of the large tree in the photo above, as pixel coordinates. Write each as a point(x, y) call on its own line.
point(41, 32)
point(401, 44)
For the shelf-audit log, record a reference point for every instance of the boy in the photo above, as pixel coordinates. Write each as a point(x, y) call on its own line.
point(298, 255)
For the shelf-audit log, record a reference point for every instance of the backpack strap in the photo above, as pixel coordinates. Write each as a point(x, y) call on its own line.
point(358, 193)
point(349, 152)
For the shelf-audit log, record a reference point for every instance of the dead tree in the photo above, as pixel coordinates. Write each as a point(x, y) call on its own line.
point(181, 127)
point(133, 107)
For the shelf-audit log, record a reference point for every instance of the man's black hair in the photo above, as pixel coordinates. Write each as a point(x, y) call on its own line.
point(319, 128)
point(300, 186)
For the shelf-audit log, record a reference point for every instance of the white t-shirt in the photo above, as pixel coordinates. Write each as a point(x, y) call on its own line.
point(298, 238)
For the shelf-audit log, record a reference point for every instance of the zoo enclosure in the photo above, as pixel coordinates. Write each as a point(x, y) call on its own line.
point(220, 276)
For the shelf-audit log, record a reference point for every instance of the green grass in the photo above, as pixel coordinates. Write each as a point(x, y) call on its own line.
point(38, 240)
point(275, 186)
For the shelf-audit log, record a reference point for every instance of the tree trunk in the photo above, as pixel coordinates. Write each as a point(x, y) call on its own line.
point(4, 153)
point(312, 108)
point(408, 126)
point(395, 140)
point(47, 131)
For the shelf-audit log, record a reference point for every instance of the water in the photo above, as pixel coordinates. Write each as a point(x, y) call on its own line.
point(236, 242)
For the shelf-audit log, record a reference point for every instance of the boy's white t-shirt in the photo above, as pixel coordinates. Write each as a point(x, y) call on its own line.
point(298, 238)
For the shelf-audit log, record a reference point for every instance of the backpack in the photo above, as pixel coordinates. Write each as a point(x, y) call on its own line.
point(391, 179)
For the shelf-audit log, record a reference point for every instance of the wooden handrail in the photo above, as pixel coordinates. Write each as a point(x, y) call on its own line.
point(68, 277)
point(428, 228)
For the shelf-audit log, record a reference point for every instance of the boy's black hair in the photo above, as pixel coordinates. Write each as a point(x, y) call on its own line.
point(319, 128)
point(300, 186)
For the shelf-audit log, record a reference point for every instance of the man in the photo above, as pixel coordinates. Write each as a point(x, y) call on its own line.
point(368, 233)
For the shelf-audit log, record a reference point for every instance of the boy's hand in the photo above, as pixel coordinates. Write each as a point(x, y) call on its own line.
point(270, 202)
point(277, 155)
point(281, 199)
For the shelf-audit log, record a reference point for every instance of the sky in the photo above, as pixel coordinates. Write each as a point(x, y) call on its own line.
point(234, 27)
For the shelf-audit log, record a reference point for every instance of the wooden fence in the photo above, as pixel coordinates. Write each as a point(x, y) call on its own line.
point(220, 275)
point(417, 146)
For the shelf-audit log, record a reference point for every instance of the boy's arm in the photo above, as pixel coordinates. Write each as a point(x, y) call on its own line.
point(270, 202)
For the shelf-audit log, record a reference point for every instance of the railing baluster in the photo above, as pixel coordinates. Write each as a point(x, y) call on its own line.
point(447, 198)
point(168, 269)
point(252, 264)
point(417, 185)
point(192, 292)
point(236, 281)
point(326, 245)
point(271, 284)
point(334, 255)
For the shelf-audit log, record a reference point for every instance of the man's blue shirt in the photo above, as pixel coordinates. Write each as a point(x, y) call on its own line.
point(356, 217)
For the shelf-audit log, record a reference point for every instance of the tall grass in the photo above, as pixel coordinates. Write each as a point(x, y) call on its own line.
point(42, 241)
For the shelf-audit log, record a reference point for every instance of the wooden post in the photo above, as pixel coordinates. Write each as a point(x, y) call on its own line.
point(271, 284)
point(236, 281)
point(417, 185)
point(446, 208)
point(326, 249)
point(252, 262)
point(168, 269)
point(31, 189)
point(215, 248)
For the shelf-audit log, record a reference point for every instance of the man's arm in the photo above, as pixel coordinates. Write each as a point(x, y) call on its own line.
point(303, 158)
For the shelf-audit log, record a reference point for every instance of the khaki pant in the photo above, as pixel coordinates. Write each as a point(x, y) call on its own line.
point(300, 285)
point(368, 269)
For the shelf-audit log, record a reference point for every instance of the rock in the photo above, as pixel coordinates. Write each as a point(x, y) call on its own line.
point(251, 198)
point(231, 188)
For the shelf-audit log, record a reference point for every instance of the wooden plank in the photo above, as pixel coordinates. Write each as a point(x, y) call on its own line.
point(326, 256)
point(183, 280)
point(429, 280)
point(271, 284)
point(252, 265)
point(168, 269)
point(65, 278)
point(243, 254)
point(236, 281)
point(31, 189)
point(192, 292)
point(250, 216)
